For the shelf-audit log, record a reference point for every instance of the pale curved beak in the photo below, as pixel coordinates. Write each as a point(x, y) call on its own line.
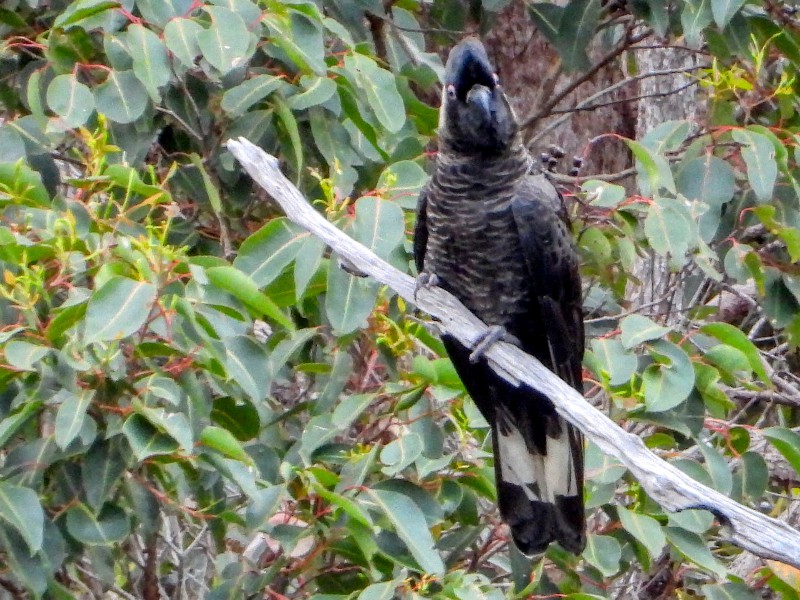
point(481, 97)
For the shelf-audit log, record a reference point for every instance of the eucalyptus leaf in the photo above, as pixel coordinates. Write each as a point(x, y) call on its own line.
point(410, 525)
point(70, 99)
point(118, 309)
point(20, 508)
point(122, 97)
point(111, 525)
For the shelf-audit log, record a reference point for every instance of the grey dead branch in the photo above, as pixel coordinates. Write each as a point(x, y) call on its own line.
point(671, 488)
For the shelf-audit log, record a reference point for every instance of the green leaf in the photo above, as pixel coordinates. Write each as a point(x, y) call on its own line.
point(668, 384)
point(118, 309)
point(380, 89)
point(12, 19)
point(226, 43)
point(267, 252)
point(290, 128)
point(612, 358)
point(247, 364)
point(237, 100)
point(324, 427)
point(759, 157)
point(576, 30)
point(20, 508)
point(728, 591)
point(349, 300)
point(81, 10)
point(653, 170)
point(17, 419)
point(645, 529)
point(121, 97)
point(410, 525)
point(240, 286)
point(110, 526)
point(240, 418)
point(754, 475)
point(251, 12)
point(21, 184)
point(779, 303)
point(349, 506)
point(695, 549)
point(728, 334)
point(25, 356)
point(150, 62)
point(637, 329)
point(594, 244)
point(401, 182)
point(379, 225)
point(208, 185)
point(718, 468)
point(70, 100)
point(667, 137)
point(602, 468)
point(174, 424)
point(787, 442)
point(307, 263)
point(12, 148)
point(670, 227)
point(730, 360)
point(547, 18)
point(117, 52)
point(724, 10)
point(70, 416)
point(263, 505)
point(300, 38)
point(709, 180)
point(380, 591)
point(400, 453)
point(145, 439)
point(224, 442)
point(349, 410)
point(31, 571)
point(603, 194)
point(162, 12)
point(317, 90)
point(604, 553)
point(696, 16)
point(102, 470)
point(693, 520)
point(180, 36)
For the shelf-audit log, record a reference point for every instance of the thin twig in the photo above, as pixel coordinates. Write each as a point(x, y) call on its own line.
point(665, 483)
point(572, 86)
point(586, 104)
point(581, 108)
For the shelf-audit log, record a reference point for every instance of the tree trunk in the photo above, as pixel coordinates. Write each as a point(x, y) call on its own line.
point(659, 289)
point(530, 71)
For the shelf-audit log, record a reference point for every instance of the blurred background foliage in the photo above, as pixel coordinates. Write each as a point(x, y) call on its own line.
point(196, 401)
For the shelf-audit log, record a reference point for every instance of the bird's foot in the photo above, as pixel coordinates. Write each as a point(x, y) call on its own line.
point(348, 267)
point(425, 281)
point(492, 335)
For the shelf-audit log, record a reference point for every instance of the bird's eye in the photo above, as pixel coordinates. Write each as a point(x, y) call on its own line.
point(451, 91)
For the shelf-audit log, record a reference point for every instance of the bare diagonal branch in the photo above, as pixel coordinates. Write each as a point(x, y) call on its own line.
point(670, 487)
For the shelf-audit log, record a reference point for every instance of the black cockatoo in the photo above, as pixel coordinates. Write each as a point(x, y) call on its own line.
point(494, 233)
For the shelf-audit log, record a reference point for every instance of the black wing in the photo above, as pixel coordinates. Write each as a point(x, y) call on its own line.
point(539, 453)
point(421, 230)
point(553, 268)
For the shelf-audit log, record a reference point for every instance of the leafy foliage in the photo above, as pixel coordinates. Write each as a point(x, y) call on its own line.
point(197, 401)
